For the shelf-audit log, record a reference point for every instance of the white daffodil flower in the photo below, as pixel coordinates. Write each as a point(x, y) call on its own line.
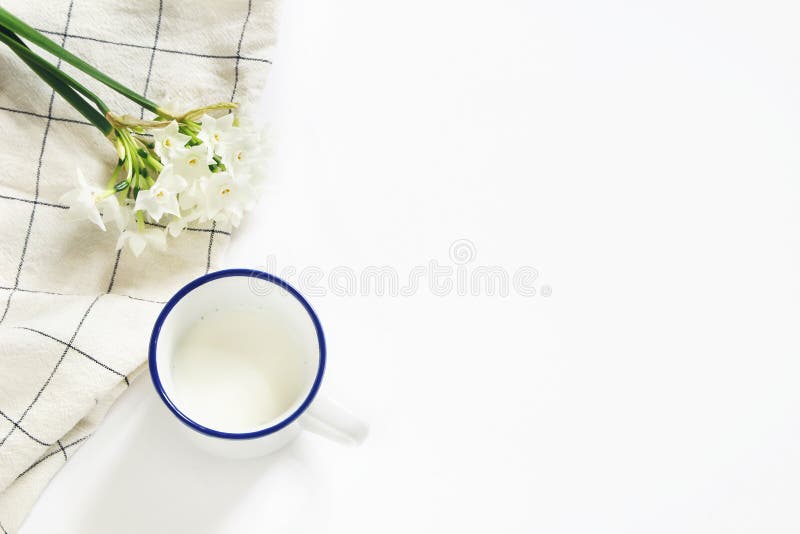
point(138, 240)
point(194, 196)
point(241, 156)
point(168, 141)
point(228, 198)
point(160, 186)
point(214, 132)
point(112, 211)
point(192, 162)
point(82, 202)
point(162, 197)
point(177, 225)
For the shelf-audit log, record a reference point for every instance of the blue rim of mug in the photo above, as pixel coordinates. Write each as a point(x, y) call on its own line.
point(188, 288)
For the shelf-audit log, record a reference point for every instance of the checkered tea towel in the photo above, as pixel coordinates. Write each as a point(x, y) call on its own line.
point(75, 314)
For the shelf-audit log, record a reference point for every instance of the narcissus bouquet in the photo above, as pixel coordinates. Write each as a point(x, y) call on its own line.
point(177, 169)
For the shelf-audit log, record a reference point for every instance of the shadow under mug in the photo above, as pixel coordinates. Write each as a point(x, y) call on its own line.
point(243, 289)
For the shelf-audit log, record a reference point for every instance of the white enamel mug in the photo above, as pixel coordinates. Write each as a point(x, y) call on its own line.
point(243, 289)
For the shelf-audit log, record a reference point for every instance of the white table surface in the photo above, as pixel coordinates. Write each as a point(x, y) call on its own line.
point(643, 157)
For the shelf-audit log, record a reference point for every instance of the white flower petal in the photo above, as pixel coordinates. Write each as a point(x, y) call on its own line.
point(81, 202)
point(168, 141)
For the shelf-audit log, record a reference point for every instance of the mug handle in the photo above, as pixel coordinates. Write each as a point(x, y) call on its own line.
point(327, 418)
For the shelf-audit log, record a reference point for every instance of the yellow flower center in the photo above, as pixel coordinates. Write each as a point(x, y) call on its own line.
point(239, 156)
point(167, 142)
point(160, 195)
point(216, 137)
point(225, 191)
point(192, 161)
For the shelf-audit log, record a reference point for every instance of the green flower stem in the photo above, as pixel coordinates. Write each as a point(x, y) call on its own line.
point(22, 50)
point(193, 127)
point(146, 155)
point(154, 163)
point(105, 195)
point(60, 82)
point(128, 170)
point(113, 180)
point(134, 161)
point(22, 29)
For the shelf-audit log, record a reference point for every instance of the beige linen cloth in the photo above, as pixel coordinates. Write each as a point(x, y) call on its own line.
point(75, 315)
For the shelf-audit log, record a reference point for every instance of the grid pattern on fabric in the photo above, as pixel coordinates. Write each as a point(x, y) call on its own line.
point(64, 354)
point(34, 202)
